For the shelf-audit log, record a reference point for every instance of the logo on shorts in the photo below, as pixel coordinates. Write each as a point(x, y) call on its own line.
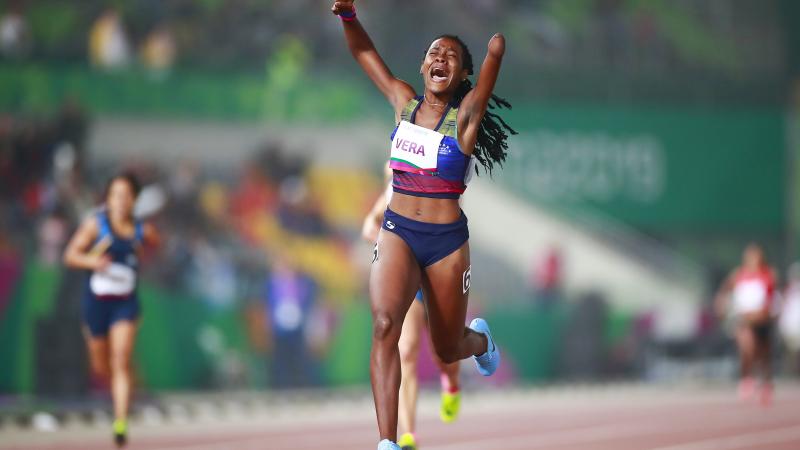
point(466, 279)
point(390, 224)
point(375, 253)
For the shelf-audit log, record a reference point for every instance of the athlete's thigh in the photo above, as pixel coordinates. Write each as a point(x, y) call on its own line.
point(745, 338)
point(98, 347)
point(446, 290)
point(122, 336)
point(395, 276)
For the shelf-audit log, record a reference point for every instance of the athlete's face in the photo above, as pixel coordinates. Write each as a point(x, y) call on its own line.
point(753, 257)
point(443, 68)
point(121, 199)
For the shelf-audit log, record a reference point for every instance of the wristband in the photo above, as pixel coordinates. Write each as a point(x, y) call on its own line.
point(348, 16)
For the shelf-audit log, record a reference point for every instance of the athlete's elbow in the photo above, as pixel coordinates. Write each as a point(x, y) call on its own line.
point(68, 260)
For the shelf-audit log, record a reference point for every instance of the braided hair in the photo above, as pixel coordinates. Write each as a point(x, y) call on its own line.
point(491, 145)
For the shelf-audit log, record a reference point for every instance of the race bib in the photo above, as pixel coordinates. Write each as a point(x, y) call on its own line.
point(116, 280)
point(749, 296)
point(415, 149)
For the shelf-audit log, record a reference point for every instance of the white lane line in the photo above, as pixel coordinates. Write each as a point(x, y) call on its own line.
point(746, 440)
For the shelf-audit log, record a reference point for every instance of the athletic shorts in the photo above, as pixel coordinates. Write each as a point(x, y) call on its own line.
point(762, 331)
point(418, 297)
point(429, 242)
point(100, 314)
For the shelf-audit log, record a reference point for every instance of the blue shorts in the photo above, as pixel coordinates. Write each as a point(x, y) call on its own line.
point(99, 315)
point(418, 297)
point(430, 242)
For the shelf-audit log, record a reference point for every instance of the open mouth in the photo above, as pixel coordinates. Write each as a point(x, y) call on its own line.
point(438, 74)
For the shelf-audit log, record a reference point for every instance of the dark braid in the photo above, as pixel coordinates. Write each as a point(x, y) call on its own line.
point(491, 145)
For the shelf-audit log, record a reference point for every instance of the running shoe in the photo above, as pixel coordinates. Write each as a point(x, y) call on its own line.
point(120, 428)
point(487, 363)
point(388, 445)
point(451, 404)
point(747, 389)
point(407, 442)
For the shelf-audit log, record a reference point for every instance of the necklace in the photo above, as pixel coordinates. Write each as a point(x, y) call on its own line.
point(425, 97)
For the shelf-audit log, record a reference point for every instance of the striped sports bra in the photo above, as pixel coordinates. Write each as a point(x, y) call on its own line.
point(429, 163)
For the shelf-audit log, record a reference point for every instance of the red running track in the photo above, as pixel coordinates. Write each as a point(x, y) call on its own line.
point(618, 418)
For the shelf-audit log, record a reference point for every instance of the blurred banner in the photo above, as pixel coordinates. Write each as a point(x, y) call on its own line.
point(661, 169)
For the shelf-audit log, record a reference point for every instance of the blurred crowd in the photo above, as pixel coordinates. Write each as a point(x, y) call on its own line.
point(254, 240)
point(652, 39)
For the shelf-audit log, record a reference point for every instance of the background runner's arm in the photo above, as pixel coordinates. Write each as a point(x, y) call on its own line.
point(372, 223)
point(398, 92)
point(79, 255)
point(722, 297)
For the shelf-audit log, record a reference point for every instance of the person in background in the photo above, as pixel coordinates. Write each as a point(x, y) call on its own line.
point(109, 47)
point(290, 297)
point(409, 345)
point(108, 245)
point(15, 36)
point(546, 277)
point(158, 52)
point(748, 294)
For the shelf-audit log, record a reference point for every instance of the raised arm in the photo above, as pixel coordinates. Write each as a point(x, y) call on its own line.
point(398, 92)
point(79, 255)
point(474, 105)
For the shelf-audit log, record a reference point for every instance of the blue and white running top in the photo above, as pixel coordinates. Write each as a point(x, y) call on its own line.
point(119, 279)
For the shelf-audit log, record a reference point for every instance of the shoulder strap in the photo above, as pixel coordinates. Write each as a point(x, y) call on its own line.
point(139, 235)
point(105, 227)
point(449, 126)
point(410, 108)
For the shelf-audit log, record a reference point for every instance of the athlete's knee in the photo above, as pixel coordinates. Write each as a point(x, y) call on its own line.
point(100, 368)
point(408, 345)
point(409, 353)
point(120, 362)
point(384, 327)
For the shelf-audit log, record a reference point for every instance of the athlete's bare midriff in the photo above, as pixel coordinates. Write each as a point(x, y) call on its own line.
point(424, 209)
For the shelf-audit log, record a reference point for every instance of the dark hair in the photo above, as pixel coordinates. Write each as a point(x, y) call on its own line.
point(491, 145)
point(128, 177)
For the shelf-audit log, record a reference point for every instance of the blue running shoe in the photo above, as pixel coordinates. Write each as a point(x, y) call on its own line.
point(387, 445)
point(487, 363)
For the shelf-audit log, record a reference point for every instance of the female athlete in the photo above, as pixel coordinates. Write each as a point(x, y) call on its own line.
point(424, 233)
point(751, 288)
point(108, 245)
